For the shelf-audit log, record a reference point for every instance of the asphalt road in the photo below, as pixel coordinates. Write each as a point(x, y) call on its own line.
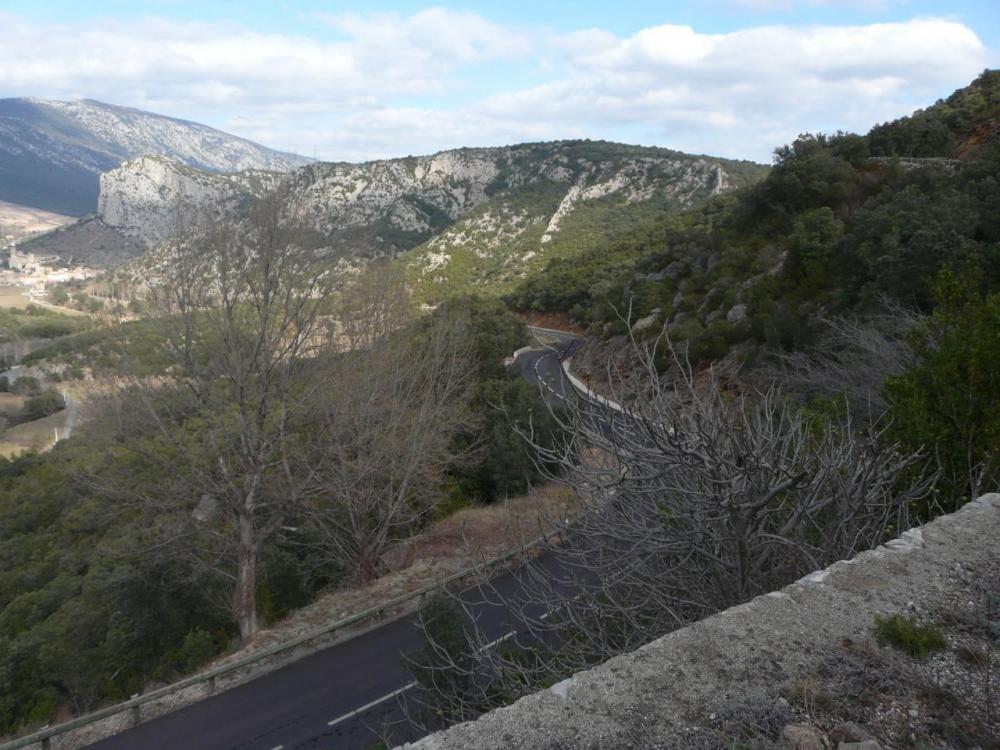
point(310, 703)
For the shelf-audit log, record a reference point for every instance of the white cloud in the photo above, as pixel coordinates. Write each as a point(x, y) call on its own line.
point(349, 93)
point(745, 92)
point(872, 6)
point(153, 59)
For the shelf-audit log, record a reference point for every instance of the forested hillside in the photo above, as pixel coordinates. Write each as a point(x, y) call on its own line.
point(841, 222)
point(97, 599)
point(260, 446)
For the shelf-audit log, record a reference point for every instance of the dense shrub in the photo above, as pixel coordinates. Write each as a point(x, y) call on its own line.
point(833, 229)
point(45, 403)
point(949, 402)
point(25, 385)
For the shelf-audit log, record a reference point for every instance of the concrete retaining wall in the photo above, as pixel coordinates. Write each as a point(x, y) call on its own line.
point(675, 682)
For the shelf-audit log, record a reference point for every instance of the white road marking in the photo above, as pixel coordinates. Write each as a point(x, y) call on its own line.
point(278, 747)
point(375, 702)
point(499, 640)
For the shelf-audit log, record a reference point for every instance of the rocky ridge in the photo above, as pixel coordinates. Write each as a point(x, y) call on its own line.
point(52, 152)
point(146, 197)
point(574, 207)
point(468, 216)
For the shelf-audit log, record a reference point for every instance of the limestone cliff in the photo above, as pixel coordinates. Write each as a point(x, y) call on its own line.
point(469, 216)
point(145, 198)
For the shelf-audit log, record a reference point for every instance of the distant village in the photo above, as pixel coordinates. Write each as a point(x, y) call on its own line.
point(37, 272)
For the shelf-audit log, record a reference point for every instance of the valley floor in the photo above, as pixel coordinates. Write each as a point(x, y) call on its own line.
point(17, 221)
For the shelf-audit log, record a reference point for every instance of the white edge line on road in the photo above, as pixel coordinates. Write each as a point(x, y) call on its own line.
point(387, 696)
point(499, 640)
point(278, 747)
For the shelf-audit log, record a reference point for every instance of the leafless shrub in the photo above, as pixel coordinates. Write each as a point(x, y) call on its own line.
point(851, 358)
point(700, 500)
point(753, 718)
point(387, 442)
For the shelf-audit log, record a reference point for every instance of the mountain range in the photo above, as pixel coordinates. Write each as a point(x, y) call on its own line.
point(52, 153)
point(456, 220)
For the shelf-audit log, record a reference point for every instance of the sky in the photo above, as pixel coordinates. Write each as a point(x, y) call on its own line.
point(366, 80)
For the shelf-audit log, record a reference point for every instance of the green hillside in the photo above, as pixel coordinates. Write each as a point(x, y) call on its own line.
point(840, 222)
point(586, 195)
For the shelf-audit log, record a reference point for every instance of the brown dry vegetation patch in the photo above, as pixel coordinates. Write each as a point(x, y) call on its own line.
point(978, 136)
point(556, 321)
point(459, 542)
point(31, 436)
point(492, 529)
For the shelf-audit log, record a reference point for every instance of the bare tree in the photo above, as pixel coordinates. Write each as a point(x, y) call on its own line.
point(388, 433)
point(694, 499)
point(374, 306)
point(265, 424)
point(852, 358)
point(238, 318)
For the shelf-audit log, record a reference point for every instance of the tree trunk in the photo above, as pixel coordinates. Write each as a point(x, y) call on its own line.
point(245, 593)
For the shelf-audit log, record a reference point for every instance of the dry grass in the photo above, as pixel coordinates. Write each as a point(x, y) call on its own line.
point(14, 296)
point(19, 221)
point(556, 321)
point(490, 530)
point(12, 403)
point(453, 544)
point(37, 435)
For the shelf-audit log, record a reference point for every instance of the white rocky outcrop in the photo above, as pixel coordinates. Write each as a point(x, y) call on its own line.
point(146, 198)
point(380, 208)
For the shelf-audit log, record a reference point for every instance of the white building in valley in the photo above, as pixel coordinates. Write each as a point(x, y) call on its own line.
point(22, 262)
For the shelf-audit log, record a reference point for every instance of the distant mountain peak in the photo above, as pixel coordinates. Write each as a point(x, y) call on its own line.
point(52, 153)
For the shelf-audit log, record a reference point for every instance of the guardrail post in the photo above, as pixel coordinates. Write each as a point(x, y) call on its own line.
point(46, 743)
point(210, 685)
point(136, 715)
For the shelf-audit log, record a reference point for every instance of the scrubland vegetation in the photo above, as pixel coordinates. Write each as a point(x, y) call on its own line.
point(808, 367)
point(817, 370)
point(255, 451)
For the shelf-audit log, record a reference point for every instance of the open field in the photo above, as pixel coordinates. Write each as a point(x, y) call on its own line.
point(18, 221)
point(12, 402)
point(37, 435)
point(14, 296)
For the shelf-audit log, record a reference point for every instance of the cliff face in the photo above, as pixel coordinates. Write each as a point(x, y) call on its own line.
point(569, 206)
point(143, 198)
point(467, 215)
point(51, 152)
point(393, 203)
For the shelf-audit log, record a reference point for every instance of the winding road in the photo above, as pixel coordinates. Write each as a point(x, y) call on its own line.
point(335, 698)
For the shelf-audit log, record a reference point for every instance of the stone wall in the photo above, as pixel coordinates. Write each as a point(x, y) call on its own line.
point(760, 657)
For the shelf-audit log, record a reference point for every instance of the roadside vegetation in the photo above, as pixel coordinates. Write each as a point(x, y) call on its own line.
point(809, 367)
point(840, 223)
point(257, 450)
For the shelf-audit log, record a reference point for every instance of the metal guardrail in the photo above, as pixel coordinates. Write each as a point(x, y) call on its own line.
point(134, 705)
point(574, 381)
point(209, 678)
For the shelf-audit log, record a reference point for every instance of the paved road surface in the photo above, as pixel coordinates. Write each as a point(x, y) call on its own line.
point(309, 703)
